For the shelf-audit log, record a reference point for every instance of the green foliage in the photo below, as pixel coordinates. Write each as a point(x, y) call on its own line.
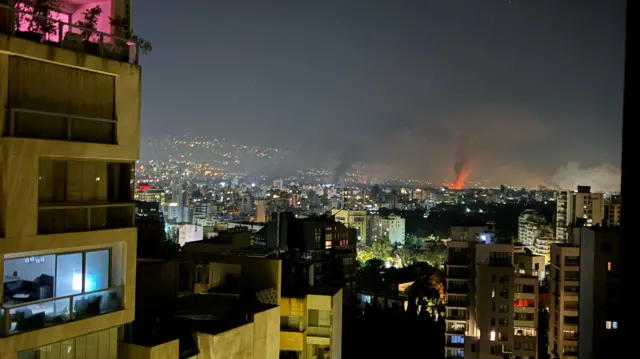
point(121, 23)
point(382, 250)
point(41, 21)
point(90, 21)
point(403, 257)
point(412, 241)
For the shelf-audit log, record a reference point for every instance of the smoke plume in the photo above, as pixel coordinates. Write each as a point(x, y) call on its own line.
point(603, 178)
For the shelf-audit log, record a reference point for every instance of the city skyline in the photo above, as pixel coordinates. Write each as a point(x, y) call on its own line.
point(524, 87)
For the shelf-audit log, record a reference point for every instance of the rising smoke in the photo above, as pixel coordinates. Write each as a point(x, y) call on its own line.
point(602, 178)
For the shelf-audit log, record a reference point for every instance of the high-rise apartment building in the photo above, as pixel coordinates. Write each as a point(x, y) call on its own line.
point(70, 137)
point(391, 228)
point(577, 208)
point(144, 193)
point(585, 288)
point(492, 305)
point(353, 219)
point(601, 302)
point(564, 287)
point(535, 233)
point(612, 210)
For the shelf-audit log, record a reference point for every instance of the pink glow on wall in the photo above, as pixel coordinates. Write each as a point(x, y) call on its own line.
point(102, 25)
point(25, 21)
point(72, 13)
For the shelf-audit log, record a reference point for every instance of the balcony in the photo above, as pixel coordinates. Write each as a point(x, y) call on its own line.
point(457, 303)
point(24, 317)
point(457, 289)
point(28, 124)
point(17, 21)
point(66, 218)
point(323, 332)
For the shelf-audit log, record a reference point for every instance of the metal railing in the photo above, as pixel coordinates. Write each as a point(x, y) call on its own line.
point(61, 126)
point(82, 217)
point(70, 36)
point(53, 311)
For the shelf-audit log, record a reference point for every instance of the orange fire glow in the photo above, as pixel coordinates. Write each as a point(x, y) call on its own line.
point(461, 178)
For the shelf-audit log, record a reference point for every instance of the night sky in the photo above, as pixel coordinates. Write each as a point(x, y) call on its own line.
point(522, 87)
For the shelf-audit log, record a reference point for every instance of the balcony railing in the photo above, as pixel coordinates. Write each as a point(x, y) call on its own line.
point(71, 37)
point(324, 332)
point(65, 218)
point(65, 127)
point(53, 311)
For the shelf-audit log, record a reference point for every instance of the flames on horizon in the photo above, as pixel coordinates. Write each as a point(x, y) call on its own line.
point(462, 170)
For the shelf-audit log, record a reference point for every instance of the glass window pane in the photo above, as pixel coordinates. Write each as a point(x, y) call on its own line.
point(69, 274)
point(97, 267)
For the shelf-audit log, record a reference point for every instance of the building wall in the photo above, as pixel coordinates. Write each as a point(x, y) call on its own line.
point(115, 92)
point(336, 326)
point(168, 350)
point(562, 303)
point(257, 340)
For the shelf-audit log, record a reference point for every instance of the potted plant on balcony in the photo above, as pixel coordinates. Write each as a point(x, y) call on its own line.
point(40, 21)
point(121, 29)
point(89, 29)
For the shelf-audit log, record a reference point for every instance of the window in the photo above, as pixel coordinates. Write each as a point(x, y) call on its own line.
point(609, 266)
point(493, 293)
point(503, 308)
point(68, 274)
point(457, 339)
point(493, 322)
point(608, 324)
point(503, 336)
point(97, 270)
point(503, 322)
point(614, 325)
point(529, 346)
point(492, 335)
point(537, 266)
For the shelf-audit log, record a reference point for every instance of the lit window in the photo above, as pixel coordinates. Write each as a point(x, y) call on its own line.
point(608, 324)
point(614, 325)
point(493, 293)
point(492, 336)
point(609, 266)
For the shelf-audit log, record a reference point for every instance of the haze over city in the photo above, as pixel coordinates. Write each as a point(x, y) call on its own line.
point(406, 88)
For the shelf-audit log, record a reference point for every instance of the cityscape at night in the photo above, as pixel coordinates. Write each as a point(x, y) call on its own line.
point(316, 179)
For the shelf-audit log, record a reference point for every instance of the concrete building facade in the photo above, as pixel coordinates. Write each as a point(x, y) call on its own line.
point(564, 286)
point(70, 130)
point(577, 208)
point(492, 298)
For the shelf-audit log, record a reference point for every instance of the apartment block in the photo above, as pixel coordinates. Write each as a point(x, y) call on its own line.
point(390, 227)
point(601, 302)
point(207, 306)
point(311, 323)
point(69, 140)
point(577, 208)
point(492, 299)
point(564, 290)
point(535, 233)
point(353, 219)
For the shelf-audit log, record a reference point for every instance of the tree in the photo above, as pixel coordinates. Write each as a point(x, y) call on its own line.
point(412, 241)
point(364, 254)
point(404, 256)
point(382, 250)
